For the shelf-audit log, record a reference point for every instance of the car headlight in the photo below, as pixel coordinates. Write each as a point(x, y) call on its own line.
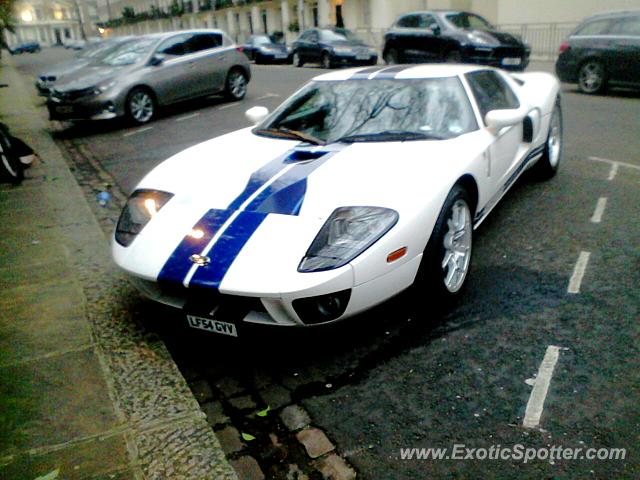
point(103, 88)
point(140, 208)
point(347, 233)
point(479, 39)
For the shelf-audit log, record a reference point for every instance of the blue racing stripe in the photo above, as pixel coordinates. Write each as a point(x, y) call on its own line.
point(284, 196)
point(226, 249)
point(178, 264)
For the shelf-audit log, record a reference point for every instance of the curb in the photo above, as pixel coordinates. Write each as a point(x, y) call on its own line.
point(167, 435)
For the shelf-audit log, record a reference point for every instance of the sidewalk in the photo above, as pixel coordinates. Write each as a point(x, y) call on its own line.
point(85, 390)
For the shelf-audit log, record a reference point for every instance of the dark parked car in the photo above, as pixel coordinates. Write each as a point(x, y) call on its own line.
point(603, 50)
point(452, 36)
point(27, 47)
point(262, 49)
point(331, 47)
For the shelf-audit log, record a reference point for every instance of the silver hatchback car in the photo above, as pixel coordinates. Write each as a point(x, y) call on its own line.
point(152, 71)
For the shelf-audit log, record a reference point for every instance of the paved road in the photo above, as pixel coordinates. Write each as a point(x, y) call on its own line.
point(394, 379)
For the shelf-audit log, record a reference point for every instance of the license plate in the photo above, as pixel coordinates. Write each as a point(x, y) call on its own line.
point(281, 55)
point(511, 61)
point(362, 57)
point(210, 325)
point(64, 109)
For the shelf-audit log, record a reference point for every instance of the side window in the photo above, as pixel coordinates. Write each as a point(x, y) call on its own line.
point(491, 91)
point(174, 46)
point(409, 21)
point(597, 27)
point(314, 37)
point(626, 26)
point(204, 41)
point(426, 21)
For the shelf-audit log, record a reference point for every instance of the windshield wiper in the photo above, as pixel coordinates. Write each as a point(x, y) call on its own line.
point(389, 136)
point(283, 132)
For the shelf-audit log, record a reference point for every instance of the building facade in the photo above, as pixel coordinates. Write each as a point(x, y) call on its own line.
point(52, 22)
point(542, 23)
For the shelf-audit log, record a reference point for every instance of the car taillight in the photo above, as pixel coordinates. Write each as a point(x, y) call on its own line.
point(240, 49)
point(563, 46)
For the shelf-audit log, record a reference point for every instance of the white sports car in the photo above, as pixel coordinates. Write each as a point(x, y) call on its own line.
point(362, 183)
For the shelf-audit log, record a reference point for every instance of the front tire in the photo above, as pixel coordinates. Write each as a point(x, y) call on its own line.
point(592, 77)
point(141, 106)
point(326, 61)
point(547, 166)
point(447, 258)
point(297, 60)
point(236, 85)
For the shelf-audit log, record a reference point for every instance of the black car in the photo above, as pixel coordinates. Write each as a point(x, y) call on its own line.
point(27, 47)
point(331, 47)
point(452, 36)
point(603, 50)
point(263, 49)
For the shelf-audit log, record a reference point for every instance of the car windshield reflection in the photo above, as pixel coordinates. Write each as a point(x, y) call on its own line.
point(130, 53)
point(374, 111)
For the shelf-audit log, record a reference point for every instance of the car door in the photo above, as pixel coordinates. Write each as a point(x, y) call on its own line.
point(172, 79)
point(623, 50)
point(429, 42)
point(492, 92)
point(314, 49)
point(408, 38)
point(210, 59)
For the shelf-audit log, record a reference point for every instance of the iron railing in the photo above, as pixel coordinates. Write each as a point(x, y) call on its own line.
point(543, 38)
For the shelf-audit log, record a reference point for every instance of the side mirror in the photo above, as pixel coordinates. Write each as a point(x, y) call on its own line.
point(156, 60)
point(256, 114)
point(498, 119)
point(435, 28)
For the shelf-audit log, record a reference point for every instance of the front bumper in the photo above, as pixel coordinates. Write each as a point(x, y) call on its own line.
point(98, 107)
point(507, 58)
point(285, 309)
point(354, 59)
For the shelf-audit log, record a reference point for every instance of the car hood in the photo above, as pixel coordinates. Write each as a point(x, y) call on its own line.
point(501, 38)
point(218, 171)
point(65, 68)
point(346, 43)
point(278, 194)
point(90, 76)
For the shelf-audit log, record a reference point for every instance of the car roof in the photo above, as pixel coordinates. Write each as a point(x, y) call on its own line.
point(613, 14)
point(176, 32)
point(434, 70)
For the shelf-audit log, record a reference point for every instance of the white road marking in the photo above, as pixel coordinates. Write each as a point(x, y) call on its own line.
point(140, 130)
point(600, 206)
point(614, 166)
point(187, 117)
point(232, 218)
point(578, 272)
point(224, 107)
point(538, 395)
point(268, 95)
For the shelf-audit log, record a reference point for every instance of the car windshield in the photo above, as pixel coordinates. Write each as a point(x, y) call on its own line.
point(339, 35)
point(468, 21)
point(130, 53)
point(261, 40)
point(373, 110)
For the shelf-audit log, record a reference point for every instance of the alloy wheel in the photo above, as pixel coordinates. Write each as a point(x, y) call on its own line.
point(457, 246)
point(141, 106)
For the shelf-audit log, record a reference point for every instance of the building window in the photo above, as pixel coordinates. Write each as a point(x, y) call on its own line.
point(264, 21)
point(67, 33)
point(250, 18)
point(314, 11)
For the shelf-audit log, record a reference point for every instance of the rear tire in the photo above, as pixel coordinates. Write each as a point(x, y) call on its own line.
point(236, 85)
point(453, 56)
point(446, 259)
point(391, 57)
point(11, 169)
point(592, 77)
point(547, 166)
